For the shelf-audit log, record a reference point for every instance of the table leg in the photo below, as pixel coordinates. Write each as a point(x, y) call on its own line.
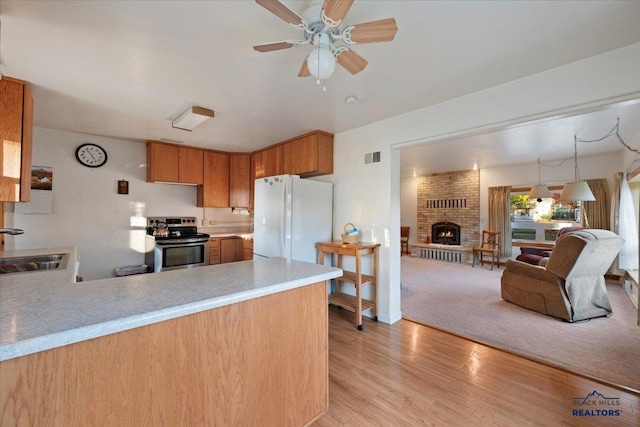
point(358, 320)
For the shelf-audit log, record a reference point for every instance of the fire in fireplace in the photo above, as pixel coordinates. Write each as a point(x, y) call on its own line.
point(445, 233)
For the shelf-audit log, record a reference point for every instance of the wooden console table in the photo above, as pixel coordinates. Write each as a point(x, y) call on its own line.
point(353, 303)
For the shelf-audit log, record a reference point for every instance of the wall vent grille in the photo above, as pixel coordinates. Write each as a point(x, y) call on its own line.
point(373, 157)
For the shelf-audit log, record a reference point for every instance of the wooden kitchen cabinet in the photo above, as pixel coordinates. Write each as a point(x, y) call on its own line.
point(309, 155)
point(170, 163)
point(247, 249)
point(229, 249)
point(16, 134)
point(190, 165)
point(214, 191)
point(214, 251)
point(239, 180)
point(268, 162)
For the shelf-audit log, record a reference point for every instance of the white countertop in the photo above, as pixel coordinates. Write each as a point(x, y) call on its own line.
point(38, 317)
point(240, 235)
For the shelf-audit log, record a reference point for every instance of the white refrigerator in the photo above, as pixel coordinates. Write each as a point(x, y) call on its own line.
point(290, 215)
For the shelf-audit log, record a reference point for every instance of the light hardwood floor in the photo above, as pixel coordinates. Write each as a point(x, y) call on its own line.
point(407, 374)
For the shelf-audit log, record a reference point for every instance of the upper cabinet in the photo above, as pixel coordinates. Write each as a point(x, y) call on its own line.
point(16, 134)
point(268, 162)
point(214, 192)
point(190, 165)
point(309, 155)
point(171, 163)
point(226, 179)
point(239, 180)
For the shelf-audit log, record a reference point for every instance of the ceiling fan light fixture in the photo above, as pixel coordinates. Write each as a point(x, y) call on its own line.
point(321, 61)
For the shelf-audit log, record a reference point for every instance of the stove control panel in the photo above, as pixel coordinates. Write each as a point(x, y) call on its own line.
point(172, 221)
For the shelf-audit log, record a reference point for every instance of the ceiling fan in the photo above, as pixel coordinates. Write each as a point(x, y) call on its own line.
point(321, 25)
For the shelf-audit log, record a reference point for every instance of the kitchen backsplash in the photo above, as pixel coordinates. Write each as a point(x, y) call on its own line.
point(223, 220)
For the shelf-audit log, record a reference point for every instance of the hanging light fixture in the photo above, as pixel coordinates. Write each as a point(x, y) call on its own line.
point(577, 190)
point(539, 192)
point(321, 61)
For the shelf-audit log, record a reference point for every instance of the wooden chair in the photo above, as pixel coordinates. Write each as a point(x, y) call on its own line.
point(490, 245)
point(404, 240)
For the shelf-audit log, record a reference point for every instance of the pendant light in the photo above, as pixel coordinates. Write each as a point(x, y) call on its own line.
point(577, 190)
point(539, 192)
point(321, 61)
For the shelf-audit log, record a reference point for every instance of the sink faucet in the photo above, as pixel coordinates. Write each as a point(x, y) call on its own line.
point(11, 231)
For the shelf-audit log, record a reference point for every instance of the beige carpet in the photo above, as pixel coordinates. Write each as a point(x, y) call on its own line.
point(466, 301)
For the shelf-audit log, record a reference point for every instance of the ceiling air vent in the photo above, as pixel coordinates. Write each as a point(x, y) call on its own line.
point(372, 157)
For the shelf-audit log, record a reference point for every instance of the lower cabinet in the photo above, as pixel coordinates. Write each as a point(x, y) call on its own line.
point(214, 251)
point(230, 249)
point(247, 249)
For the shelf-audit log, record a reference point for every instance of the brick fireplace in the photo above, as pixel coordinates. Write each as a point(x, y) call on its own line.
point(450, 202)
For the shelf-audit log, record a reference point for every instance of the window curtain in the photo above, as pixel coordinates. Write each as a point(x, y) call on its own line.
point(597, 214)
point(624, 221)
point(500, 216)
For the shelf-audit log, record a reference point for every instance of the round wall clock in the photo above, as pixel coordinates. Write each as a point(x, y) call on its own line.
point(91, 155)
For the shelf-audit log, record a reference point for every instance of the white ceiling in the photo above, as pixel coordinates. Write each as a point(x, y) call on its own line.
point(124, 69)
point(548, 139)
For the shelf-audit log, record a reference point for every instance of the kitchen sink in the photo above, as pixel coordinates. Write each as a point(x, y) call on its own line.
point(32, 263)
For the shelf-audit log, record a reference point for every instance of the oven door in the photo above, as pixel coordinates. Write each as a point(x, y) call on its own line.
point(180, 253)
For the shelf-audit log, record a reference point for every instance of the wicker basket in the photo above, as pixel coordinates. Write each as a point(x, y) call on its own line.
point(349, 239)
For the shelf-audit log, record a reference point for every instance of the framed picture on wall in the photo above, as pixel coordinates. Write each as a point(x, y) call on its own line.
point(41, 178)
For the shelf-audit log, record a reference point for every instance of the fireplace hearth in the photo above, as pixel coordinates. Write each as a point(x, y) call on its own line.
point(445, 233)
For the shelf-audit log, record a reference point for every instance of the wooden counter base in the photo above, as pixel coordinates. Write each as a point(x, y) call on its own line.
point(258, 362)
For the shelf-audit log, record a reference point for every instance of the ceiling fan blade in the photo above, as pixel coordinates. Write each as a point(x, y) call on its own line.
point(383, 30)
point(335, 11)
point(281, 11)
point(304, 70)
point(268, 47)
point(351, 61)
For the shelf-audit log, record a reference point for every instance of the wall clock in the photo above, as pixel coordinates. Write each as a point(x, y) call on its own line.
point(91, 155)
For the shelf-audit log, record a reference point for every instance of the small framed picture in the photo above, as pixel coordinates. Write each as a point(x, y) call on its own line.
point(41, 178)
point(123, 187)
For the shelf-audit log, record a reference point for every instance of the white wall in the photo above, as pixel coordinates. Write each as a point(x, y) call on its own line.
point(87, 210)
point(409, 205)
point(370, 196)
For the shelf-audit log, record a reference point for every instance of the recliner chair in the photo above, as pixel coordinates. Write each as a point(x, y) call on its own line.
point(533, 254)
point(571, 286)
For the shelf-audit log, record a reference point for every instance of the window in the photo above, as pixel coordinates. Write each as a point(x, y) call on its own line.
point(533, 220)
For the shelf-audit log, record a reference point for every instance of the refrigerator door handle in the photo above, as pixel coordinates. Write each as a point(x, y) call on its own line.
point(283, 214)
